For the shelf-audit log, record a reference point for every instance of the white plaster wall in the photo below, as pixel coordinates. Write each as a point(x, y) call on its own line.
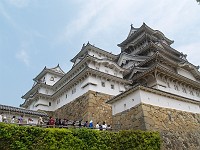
point(139, 96)
point(103, 68)
point(171, 89)
point(45, 91)
point(126, 102)
point(32, 106)
point(62, 100)
point(48, 79)
point(185, 73)
point(161, 101)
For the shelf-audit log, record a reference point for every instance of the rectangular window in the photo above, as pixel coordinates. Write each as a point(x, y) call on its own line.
point(103, 84)
point(191, 92)
point(124, 106)
point(112, 86)
point(58, 101)
point(168, 84)
point(49, 103)
point(73, 90)
point(197, 93)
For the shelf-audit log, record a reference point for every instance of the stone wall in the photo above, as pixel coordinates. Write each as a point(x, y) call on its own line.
point(90, 105)
point(179, 130)
point(129, 119)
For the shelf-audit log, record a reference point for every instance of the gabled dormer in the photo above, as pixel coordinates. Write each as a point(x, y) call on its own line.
point(49, 76)
point(94, 52)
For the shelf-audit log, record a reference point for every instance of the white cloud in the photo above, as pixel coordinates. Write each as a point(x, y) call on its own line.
point(22, 54)
point(86, 15)
point(193, 52)
point(7, 16)
point(19, 3)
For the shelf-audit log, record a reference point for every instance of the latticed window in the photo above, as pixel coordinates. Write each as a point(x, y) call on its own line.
point(176, 87)
point(184, 90)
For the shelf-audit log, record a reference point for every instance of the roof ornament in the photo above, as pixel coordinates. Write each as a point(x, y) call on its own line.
point(183, 56)
point(132, 26)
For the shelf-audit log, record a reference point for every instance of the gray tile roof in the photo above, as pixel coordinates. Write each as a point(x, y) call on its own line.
point(21, 110)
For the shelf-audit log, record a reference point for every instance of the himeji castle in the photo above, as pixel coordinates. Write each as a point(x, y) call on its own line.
point(148, 86)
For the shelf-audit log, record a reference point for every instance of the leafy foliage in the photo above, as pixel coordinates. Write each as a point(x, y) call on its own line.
point(14, 137)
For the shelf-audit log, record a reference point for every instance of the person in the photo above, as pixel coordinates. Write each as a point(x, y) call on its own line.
point(30, 121)
point(1, 117)
point(100, 127)
point(104, 125)
point(97, 126)
point(64, 123)
point(108, 127)
point(12, 120)
point(51, 121)
point(79, 124)
point(60, 122)
point(40, 120)
point(5, 119)
point(57, 122)
point(91, 124)
point(20, 119)
point(85, 124)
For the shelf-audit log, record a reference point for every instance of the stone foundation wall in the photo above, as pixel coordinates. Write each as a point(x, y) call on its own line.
point(129, 119)
point(179, 130)
point(89, 106)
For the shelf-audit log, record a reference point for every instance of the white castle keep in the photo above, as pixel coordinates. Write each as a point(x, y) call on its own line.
point(148, 70)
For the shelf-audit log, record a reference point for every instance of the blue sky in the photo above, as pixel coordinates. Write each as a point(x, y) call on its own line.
point(39, 33)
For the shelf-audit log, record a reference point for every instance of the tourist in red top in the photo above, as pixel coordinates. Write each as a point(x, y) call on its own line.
point(51, 121)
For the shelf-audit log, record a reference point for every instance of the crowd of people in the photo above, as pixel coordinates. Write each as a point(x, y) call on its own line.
point(19, 120)
point(64, 123)
point(51, 122)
